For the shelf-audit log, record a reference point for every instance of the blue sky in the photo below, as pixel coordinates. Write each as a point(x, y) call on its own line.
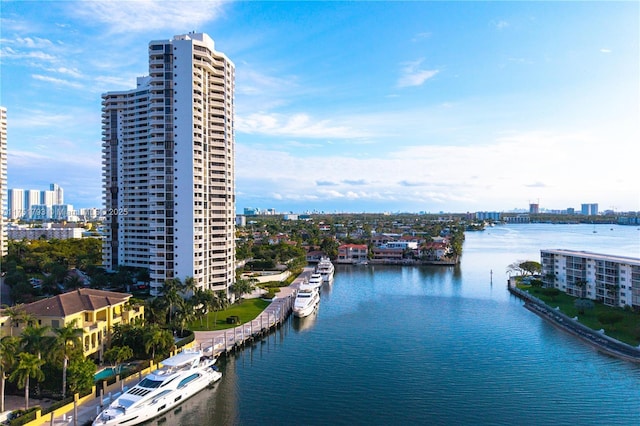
point(352, 106)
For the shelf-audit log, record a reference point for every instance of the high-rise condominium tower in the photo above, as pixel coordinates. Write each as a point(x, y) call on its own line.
point(168, 166)
point(3, 181)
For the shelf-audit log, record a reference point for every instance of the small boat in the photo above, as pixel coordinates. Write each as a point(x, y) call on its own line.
point(316, 280)
point(180, 377)
point(306, 300)
point(326, 269)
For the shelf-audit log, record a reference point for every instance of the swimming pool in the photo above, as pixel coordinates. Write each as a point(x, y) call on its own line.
point(108, 372)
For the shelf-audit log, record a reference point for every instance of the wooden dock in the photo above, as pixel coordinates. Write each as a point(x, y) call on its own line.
point(220, 342)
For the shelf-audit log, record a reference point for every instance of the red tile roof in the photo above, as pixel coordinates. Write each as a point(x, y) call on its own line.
point(84, 299)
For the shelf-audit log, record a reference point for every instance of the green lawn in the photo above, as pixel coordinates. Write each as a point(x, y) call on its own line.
point(246, 310)
point(627, 330)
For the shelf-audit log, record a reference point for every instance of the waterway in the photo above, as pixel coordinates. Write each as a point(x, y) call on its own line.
point(433, 346)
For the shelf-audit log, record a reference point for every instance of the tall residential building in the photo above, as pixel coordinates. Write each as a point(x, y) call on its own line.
point(589, 209)
point(168, 151)
point(15, 205)
point(58, 194)
point(3, 181)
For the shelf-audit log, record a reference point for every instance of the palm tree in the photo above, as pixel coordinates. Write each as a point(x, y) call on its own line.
point(35, 340)
point(189, 287)
point(9, 347)
point(171, 293)
point(243, 286)
point(28, 367)
point(183, 314)
point(68, 334)
point(153, 338)
point(218, 303)
point(17, 314)
point(155, 311)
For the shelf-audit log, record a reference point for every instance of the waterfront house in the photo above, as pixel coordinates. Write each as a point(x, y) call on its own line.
point(96, 312)
point(352, 253)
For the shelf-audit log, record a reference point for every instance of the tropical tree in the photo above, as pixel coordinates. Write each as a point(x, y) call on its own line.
point(155, 311)
point(81, 372)
point(68, 338)
point(34, 339)
point(16, 314)
point(189, 287)
point(171, 292)
point(583, 304)
point(156, 339)
point(9, 347)
point(241, 287)
point(218, 303)
point(116, 355)
point(28, 367)
point(184, 314)
point(72, 282)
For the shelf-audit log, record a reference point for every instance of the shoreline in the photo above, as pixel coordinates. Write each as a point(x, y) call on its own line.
point(596, 339)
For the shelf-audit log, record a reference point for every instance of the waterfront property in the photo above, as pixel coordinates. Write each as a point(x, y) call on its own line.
point(168, 151)
point(352, 253)
point(612, 280)
point(95, 312)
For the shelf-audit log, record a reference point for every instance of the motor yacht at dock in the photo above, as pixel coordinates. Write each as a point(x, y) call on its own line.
point(326, 269)
point(315, 280)
point(180, 377)
point(306, 301)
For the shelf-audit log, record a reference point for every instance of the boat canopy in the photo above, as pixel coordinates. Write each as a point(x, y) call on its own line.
point(185, 357)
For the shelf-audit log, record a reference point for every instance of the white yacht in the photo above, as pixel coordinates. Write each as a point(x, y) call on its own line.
point(326, 269)
point(179, 378)
point(306, 300)
point(315, 280)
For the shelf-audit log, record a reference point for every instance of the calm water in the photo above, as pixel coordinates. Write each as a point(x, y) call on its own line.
point(431, 345)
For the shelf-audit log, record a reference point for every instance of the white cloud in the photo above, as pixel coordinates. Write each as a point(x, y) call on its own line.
point(57, 81)
point(10, 53)
point(295, 125)
point(413, 75)
point(34, 42)
point(603, 50)
point(149, 15)
point(500, 24)
point(520, 165)
point(73, 72)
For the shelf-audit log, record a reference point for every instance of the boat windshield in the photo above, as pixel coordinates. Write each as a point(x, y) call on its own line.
point(150, 384)
point(301, 295)
point(126, 403)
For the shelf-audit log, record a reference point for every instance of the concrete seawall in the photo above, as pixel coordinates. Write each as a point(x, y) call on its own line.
point(595, 338)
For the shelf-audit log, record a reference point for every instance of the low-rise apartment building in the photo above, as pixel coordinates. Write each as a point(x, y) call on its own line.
point(612, 280)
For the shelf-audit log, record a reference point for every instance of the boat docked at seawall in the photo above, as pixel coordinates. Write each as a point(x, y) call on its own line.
point(306, 301)
point(326, 269)
point(316, 280)
point(179, 378)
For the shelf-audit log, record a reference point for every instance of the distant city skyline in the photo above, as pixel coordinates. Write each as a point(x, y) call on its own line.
point(353, 106)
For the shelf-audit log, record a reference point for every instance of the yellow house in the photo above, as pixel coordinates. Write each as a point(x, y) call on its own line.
point(94, 311)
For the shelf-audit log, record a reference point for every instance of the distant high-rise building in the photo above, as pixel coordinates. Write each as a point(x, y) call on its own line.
point(33, 197)
point(534, 208)
point(168, 150)
point(58, 193)
point(15, 205)
point(3, 181)
point(589, 209)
